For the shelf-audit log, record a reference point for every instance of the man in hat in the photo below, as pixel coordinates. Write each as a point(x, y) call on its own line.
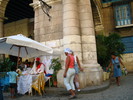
point(38, 67)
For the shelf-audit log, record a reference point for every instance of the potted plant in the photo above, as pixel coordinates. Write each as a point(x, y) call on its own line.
point(56, 66)
point(6, 64)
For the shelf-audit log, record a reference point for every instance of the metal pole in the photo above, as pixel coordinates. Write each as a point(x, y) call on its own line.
point(18, 55)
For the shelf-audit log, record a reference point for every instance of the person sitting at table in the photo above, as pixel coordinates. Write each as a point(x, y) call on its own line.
point(38, 67)
point(39, 83)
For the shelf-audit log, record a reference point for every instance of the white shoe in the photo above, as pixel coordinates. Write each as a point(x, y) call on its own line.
point(78, 90)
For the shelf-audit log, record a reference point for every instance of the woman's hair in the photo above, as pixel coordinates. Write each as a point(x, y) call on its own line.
point(113, 53)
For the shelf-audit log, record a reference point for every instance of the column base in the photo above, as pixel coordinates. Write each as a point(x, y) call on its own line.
point(60, 78)
point(92, 75)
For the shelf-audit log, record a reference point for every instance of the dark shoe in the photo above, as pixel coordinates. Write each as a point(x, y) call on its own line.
point(118, 84)
point(72, 97)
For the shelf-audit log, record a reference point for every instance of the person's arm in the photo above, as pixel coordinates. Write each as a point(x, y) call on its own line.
point(121, 62)
point(79, 64)
point(16, 77)
point(110, 64)
point(67, 65)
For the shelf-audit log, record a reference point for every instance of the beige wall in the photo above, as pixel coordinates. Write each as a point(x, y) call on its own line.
point(128, 61)
point(17, 27)
point(108, 21)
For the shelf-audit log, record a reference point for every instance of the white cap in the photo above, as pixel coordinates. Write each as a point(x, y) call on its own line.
point(68, 50)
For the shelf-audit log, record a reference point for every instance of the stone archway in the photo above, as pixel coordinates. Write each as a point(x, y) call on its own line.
point(11, 11)
point(97, 16)
point(3, 4)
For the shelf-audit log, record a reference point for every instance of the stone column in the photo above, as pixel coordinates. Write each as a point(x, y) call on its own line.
point(1, 34)
point(71, 32)
point(37, 7)
point(1, 28)
point(92, 70)
point(71, 27)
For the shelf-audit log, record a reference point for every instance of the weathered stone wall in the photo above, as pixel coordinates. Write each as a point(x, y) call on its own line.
point(109, 21)
point(128, 61)
point(31, 28)
point(18, 27)
point(46, 30)
point(3, 4)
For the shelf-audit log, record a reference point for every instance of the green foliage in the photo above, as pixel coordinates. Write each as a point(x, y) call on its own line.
point(6, 64)
point(102, 50)
point(114, 44)
point(56, 66)
point(106, 45)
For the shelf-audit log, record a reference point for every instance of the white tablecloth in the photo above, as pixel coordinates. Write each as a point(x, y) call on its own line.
point(25, 82)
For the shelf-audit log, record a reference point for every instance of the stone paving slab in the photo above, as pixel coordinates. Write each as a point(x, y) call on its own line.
point(89, 89)
point(114, 92)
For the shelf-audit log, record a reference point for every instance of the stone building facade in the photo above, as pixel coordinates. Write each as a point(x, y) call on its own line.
point(72, 27)
point(74, 24)
point(116, 16)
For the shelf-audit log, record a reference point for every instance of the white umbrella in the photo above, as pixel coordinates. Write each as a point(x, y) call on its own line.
point(21, 46)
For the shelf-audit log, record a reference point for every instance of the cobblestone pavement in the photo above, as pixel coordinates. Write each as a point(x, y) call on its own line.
point(114, 92)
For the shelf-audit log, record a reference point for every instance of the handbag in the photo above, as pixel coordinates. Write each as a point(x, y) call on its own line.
point(118, 66)
point(124, 71)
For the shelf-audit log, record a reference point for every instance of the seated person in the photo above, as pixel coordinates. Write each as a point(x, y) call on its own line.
point(38, 67)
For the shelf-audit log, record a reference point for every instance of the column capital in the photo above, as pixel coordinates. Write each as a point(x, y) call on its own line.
point(51, 1)
point(37, 4)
